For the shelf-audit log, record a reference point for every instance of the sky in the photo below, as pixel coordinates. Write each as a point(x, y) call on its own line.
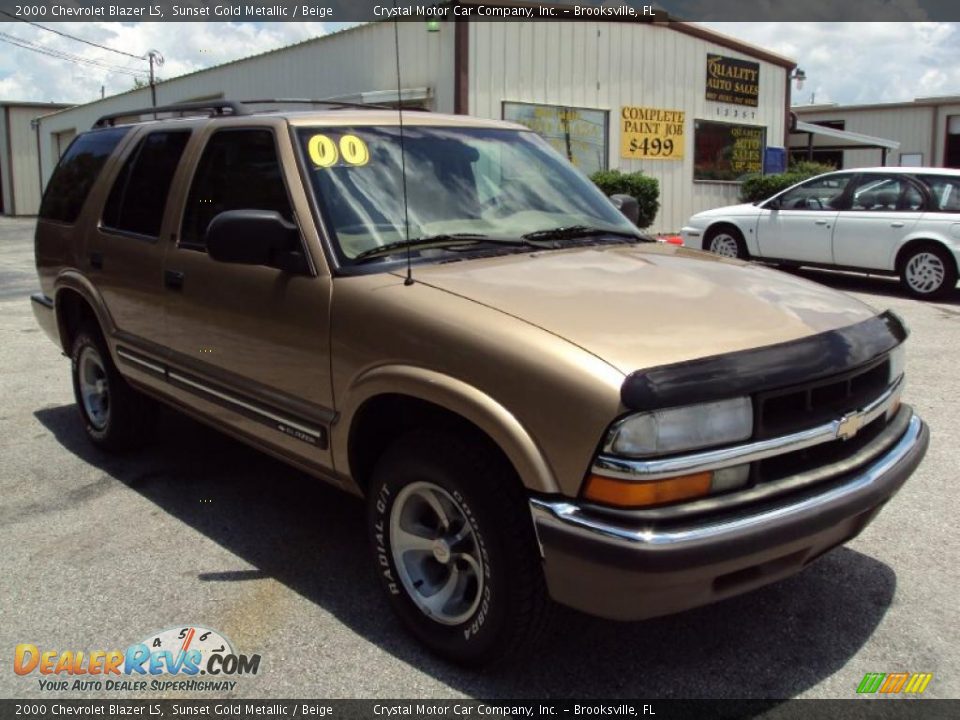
point(844, 62)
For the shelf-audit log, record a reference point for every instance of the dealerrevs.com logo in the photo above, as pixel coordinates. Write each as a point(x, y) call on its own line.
point(188, 658)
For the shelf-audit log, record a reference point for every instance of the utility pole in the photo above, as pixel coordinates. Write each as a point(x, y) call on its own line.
point(155, 58)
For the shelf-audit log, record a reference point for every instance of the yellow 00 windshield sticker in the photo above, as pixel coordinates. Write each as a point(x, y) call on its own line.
point(354, 150)
point(325, 152)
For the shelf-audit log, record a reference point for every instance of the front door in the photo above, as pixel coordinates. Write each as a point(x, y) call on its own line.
point(798, 224)
point(250, 343)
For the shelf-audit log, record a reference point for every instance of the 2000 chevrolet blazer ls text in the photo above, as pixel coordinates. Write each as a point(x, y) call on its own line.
point(547, 408)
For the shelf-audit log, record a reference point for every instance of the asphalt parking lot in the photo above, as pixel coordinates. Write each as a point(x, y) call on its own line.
point(100, 552)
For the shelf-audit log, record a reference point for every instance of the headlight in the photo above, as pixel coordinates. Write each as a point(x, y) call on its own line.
point(684, 428)
point(897, 359)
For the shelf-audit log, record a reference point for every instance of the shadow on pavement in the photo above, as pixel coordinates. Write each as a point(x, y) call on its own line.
point(773, 643)
point(873, 284)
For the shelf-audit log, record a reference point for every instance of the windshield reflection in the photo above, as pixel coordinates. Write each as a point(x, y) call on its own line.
point(477, 181)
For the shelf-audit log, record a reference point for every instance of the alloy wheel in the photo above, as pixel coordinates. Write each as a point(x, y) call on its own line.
point(436, 552)
point(94, 387)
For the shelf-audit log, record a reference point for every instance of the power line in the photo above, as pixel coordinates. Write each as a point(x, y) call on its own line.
point(59, 55)
point(72, 37)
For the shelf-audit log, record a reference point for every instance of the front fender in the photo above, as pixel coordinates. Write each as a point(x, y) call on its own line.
point(453, 395)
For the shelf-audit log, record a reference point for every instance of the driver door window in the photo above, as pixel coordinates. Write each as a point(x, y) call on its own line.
point(239, 170)
point(824, 193)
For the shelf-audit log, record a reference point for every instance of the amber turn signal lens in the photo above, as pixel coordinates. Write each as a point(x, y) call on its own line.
point(624, 493)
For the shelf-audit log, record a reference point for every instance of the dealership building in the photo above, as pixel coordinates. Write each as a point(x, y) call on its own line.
point(20, 172)
point(695, 109)
point(925, 132)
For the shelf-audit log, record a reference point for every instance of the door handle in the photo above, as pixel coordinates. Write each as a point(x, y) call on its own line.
point(96, 260)
point(173, 279)
point(820, 222)
point(896, 224)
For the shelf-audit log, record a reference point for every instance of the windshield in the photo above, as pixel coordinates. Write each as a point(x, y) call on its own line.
point(473, 182)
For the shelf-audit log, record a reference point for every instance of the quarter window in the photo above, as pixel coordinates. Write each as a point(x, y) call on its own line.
point(139, 194)
point(239, 170)
point(76, 172)
point(824, 193)
point(944, 192)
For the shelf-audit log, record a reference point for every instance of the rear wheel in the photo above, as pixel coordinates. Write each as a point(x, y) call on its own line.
point(928, 272)
point(454, 547)
point(114, 415)
point(725, 241)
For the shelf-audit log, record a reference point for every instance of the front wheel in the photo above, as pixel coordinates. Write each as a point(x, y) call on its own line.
point(928, 272)
point(454, 548)
point(726, 242)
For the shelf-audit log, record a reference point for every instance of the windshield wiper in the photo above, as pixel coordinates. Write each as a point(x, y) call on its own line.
point(571, 232)
point(443, 240)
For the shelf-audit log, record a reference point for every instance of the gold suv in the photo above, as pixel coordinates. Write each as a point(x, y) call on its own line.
point(446, 318)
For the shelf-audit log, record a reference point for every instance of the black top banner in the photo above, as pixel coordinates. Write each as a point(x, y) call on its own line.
point(491, 10)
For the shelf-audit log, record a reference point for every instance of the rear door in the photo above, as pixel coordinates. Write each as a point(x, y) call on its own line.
point(125, 254)
point(882, 210)
point(799, 225)
point(249, 344)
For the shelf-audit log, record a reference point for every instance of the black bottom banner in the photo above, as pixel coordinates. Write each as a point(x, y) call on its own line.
point(894, 709)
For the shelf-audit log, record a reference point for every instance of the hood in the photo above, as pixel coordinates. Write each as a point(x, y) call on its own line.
point(639, 306)
point(730, 211)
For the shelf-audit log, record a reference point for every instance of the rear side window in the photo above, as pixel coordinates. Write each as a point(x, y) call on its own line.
point(944, 192)
point(239, 170)
point(76, 172)
point(139, 194)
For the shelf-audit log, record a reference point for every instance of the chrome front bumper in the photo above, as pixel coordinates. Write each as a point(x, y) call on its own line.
point(609, 567)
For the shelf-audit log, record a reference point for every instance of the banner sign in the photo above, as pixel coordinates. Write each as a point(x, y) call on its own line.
point(651, 133)
point(734, 81)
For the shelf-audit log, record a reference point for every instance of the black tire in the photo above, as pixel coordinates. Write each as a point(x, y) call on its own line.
point(513, 603)
point(732, 237)
point(928, 272)
point(128, 416)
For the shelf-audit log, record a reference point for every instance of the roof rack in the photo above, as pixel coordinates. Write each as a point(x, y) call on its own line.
point(216, 107)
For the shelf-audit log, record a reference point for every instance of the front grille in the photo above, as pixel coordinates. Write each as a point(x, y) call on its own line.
point(817, 456)
point(788, 410)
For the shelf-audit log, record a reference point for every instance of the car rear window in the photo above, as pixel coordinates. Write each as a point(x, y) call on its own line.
point(139, 193)
point(76, 172)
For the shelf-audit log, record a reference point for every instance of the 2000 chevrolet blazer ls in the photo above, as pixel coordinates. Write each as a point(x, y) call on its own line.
point(545, 408)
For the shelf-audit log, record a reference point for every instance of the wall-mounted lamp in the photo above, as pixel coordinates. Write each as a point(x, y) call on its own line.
point(798, 75)
point(433, 26)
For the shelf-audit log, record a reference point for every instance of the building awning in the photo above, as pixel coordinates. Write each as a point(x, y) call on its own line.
point(812, 137)
point(416, 95)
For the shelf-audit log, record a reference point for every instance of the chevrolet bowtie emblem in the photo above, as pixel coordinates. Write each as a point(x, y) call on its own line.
point(849, 425)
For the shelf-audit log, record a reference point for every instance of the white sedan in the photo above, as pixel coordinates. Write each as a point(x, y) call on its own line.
point(887, 220)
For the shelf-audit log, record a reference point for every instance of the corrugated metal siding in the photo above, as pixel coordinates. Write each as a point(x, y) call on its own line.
point(610, 65)
point(4, 164)
point(357, 60)
point(912, 127)
point(26, 179)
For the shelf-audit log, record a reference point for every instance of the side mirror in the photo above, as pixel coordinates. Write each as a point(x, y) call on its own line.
point(628, 205)
point(773, 204)
point(256, 237)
